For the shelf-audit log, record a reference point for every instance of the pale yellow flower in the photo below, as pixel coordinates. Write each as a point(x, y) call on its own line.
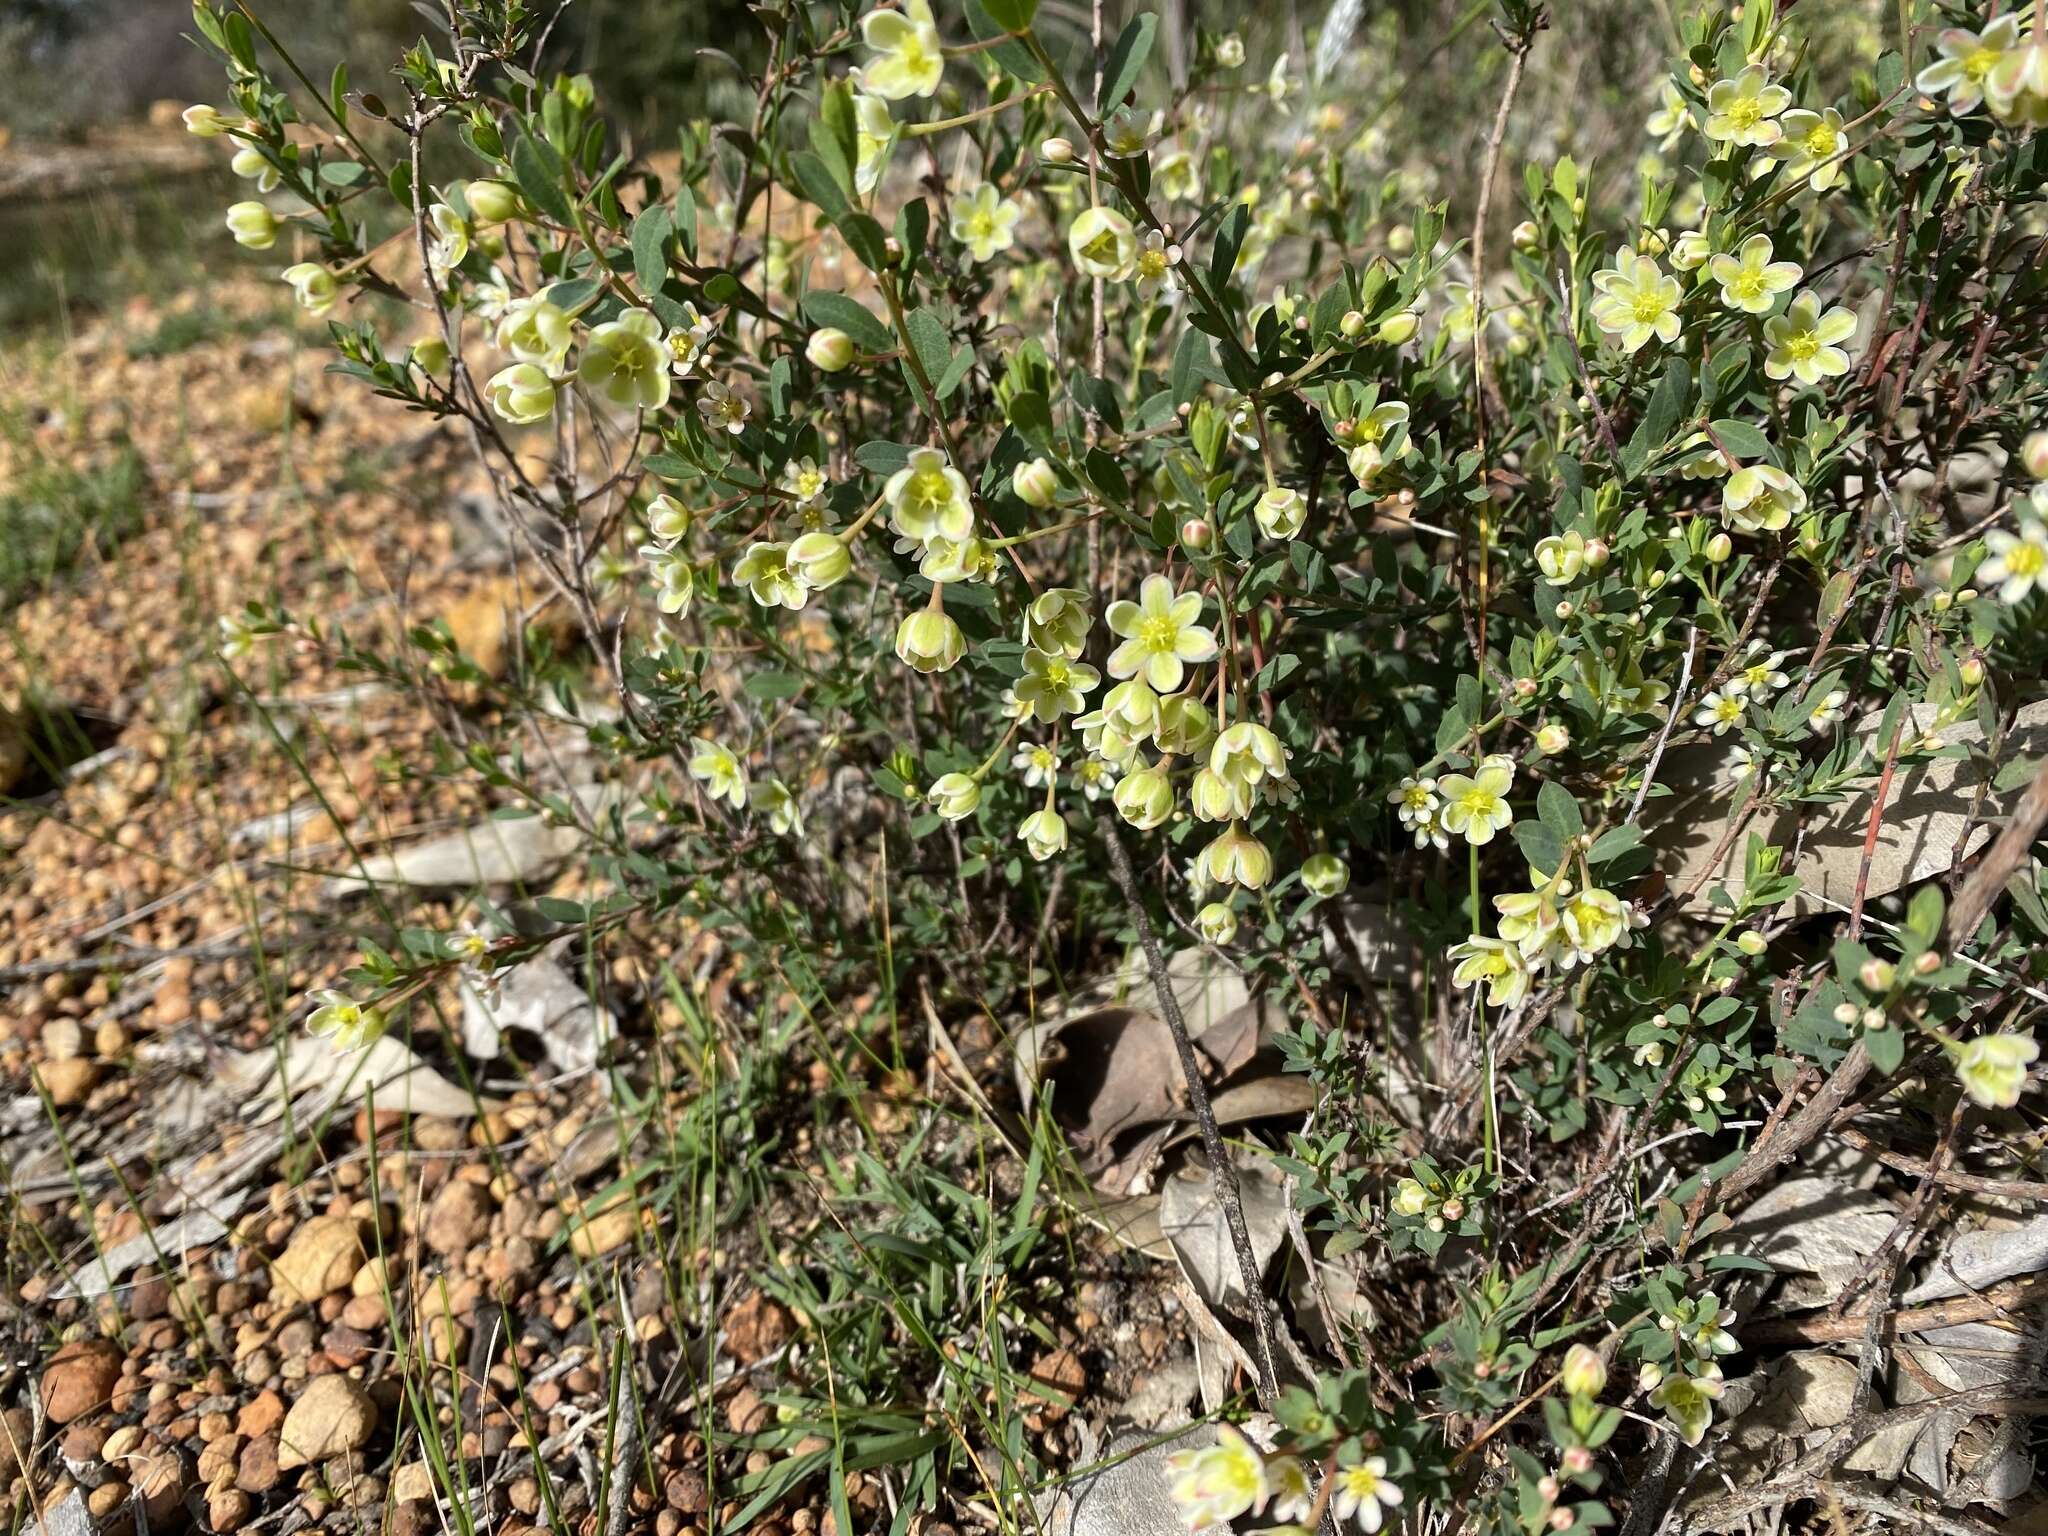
point(1160, 635)
point(1802, 341)
point(1750, 281)
point(907, 58)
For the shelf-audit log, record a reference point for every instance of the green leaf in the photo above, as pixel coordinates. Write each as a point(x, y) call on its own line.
point(1742, 440)
point(1666, 407)
point(816, 181)
point(541, 175)
point(864, 238)
point(1560, 812)
point(835, 135)
point(1191, 365)
point(1011, 15)
point(956, 371)
point(928, 338)
point(882, 458)
point(1614, 842)
point(1540, 844)
point(650, 255)
point(342, 173)
point(773, 685)
point(850, 316)
point(1887, 1048)
point(1126, 59)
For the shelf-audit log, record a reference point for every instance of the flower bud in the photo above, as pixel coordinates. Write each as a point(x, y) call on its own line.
point(1281, 511)
point(1649, 1378)
point(1877, 975)
point(1719, 548)
point(1057, 151)
point(1197, 533)
point(1526, 236)
point(1548, 1488)
point(1577, 1460)
point(1454, 1209)
point(313, 286)
point(252, 225)
point(1035, 483)
point(1324, 874)
point(430, 354)
point(1972, 672)
point(1584, 1373)
point(1564, 610)
point(820, 559)
point(1352, 326)
point(1846, 1014)
point(1216, 923)
point(2034, 454)
point(492, 202)
point(1552, 739)
point(1750, 942)
point(1873, 1018)
point(1562, 1519)
point(929, 641)
point(1400, 240)
point(521, 394)
point(829, 349)
point(954, 795)
point(1399, 329)
point(1597, 554)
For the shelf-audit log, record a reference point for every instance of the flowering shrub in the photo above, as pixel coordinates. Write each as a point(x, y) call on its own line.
point(984, 416)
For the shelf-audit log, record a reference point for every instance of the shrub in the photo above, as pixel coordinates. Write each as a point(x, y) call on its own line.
point(1184, 535)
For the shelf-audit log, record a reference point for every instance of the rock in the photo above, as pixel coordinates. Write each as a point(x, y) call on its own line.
point(1128, 1496)
point(541, 999)
point(80, 1378)
point(63, 1039)
point(412, 1482)
point(363, 1313)
point(69, 1081)
point(746, 1413)
point(322, 1256)
point(686, 1491)
point(370, 1279)
point(332, 1417)
point(598, 1235)
point(491, 852)
point(17, 1436)
point(1057, 1379)
point(160, 1474)
point(757, 1327)
point(458, 1219)
point(107, 1498)
point(257, 1470)
point(228, 1509)
point(260, 1415)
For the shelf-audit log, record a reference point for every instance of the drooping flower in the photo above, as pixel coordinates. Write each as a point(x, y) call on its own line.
point(1216, 923)
point(1993, 1068)
point(718, 768)
point(1236, 858)
point(251, 164)
point(536, 331)
point(1057, 620)
point(928, 499)
point(521, 394)
point(1967, 59)
point(674, 577)
point(907, 57)
point(1144, 797)
point(252, 225)
point(1688, 1402)
point(954, 795)
point(1044, 834)
point(1250, 760)
point(626, 363)
point(1280, 511)
point(1127, 132)
point(819, 559)
point(1160, 635)
point(313, 286)
point(1054, 685)
point(1828, 712)
point(1744, 111)
point(445, 252)
point(1324, 874)
point(984, 221)
point(930, 641)
point(1637, 300)
point(1802, 341)
point(1496, 963)
point(771, 798)
point(1750, 281)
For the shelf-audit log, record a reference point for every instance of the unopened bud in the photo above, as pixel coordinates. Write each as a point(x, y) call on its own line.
point(1454, 1209)
point(1398, 330)
point(1584, 1373)
point(1547, 1489)
point(1562, 1519)
point(1750, 942)
point(1877, 976)
point(1197, 533)
point(829, 349)
point(1526, 235)
point(1578, 1459)
point(493, 202)
point(1352, 325)
point(2034, 454)
point(1972, 672)
point(1719, 548)
point(1525, 687)
point(1057, 151)
point(1036, 483)
point(1847, 1014)
point(1926, 963)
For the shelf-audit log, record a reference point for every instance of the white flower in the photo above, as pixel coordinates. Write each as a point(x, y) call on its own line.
point(1057, 620)
point(1144, 798)
point(1561, 559)
point(1249, 760)
point(1229, 51)
point(1035, 483)
point(1668, 123)
point(771, 798)
point(1750, 281)
point(1802, 341)
point(764, 571)
point(686, 343)
point(1102, 243)
point(1043, 834)
point(673, 575)
point(1159, 634)
point(1414, 801)
point(346, 1022)
point(1760, 675)
point(313, 286)
point(205, 122)
point(907, 57)
point(1637, 301)
point(1039, 765)
point(985, 221)
point(928, 499)
point(1759, 498)
point(1828, 711)
point(1215, 1484)
point(874, 132)
point(1814, 147)
point(804, 481)
point(2017, 561)
point(1720, 709)
point(718, 768)
point(626, 362)
point(1497, 963)
point(251, 164)
point(1364, 1494)
point(1967, 59)
point(1155, 264)
point(1324, 874)
point(2016, 90)
point(1128, 133)
point(723, 409)
point(450, 243)
point(819, 560)
point(1476, 806)
point(521, 394)
point(1744, 110)
point(1993, 1068)
point(1054, 685)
